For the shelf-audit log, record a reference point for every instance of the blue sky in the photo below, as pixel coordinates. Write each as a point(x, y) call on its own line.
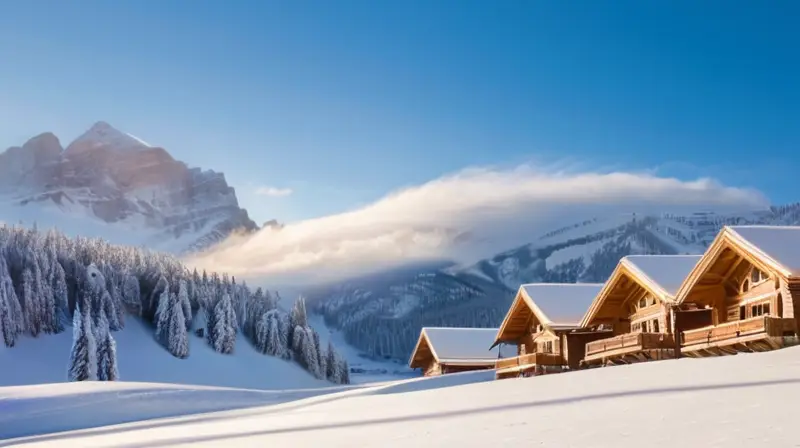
point(344, 101)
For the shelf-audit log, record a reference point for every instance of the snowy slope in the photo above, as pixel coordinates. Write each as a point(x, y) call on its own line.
point(364, 369)
point(44, 360)
point(737, 401)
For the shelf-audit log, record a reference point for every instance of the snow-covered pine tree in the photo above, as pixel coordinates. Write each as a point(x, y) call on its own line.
point(319, 354)
point(31, 304)
point(273, 345)
point(310, 352)
point(106, 351)
point(299, 346)
point(60, 294)
point(161, 316)
point(131, 295)
point(261, 333)
point(284, 333)
point(118, 318)
point(82, 360)
point(47, 303)
point(9, 327)
point(331, 364)
point(183, 299)
point(224, 333)
point(344, 371)
point(299, 316)
point(177, 339)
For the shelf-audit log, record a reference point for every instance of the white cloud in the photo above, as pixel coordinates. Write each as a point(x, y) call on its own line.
point(470, 214)
point(273, 191)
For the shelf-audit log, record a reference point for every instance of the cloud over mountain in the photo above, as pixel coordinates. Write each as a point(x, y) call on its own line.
point(470, 214)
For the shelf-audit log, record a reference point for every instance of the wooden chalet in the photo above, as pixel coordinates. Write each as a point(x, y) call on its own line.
point(543, 322)
point(636, 305)
point(449, 350)
point(745, 292)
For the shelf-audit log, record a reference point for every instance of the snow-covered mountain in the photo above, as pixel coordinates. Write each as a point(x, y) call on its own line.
point(383, 314)
point(108, 177)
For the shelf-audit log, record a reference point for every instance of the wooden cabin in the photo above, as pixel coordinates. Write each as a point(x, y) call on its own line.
point(450, 350)
point(636, 306)
point(543, 323)
point(745, 291)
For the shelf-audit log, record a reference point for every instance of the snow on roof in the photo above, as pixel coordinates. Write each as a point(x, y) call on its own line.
point(562, 304)
point(665, 271)
point(780, 243)
point(464, 344)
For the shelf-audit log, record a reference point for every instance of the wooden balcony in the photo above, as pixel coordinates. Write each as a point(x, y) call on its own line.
point(630, 347)
point(755, 334)
point(531, 362)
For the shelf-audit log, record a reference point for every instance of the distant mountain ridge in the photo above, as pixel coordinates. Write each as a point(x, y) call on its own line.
point(382, 314)
point(116, 178)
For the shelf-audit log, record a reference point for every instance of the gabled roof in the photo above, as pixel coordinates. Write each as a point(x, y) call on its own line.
point(466, 346)
point(664, 273)
point(557, 306)
point(660, 275)
point(774, 247)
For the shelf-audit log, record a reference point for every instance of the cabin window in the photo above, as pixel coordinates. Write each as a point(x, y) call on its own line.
point(636, 327)
point(642, 302)
point(760, 309)
point(742, 313)
point(652, 301)
point(757, 276)
point(746, 285)
point(654, 325)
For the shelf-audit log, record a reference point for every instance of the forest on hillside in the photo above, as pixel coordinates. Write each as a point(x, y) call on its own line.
point(49, 283)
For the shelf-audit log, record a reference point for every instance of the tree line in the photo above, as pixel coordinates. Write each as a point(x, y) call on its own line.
point(49, 282)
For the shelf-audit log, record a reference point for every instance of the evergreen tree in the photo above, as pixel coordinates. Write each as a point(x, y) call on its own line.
point(60, 295)
point(331, 364)
point(224, 331)
point(344, 371)
point(131, 295)
point(30, 304)
point(82, 361)
point(183, 298)
point(106, 351)
point(178, 341)
point(299, 316)
point(162, 315)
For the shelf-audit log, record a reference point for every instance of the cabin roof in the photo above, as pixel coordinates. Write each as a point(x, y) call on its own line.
point(450, 345)
point(779, 245)
point(660, 275)
point(557, 306)
point(776, 248)
point(665, 272)
point(561, 304)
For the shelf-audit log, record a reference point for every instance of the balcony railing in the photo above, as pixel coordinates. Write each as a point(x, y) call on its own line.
point(766, 326)
point(540, 359)
point(629, 343)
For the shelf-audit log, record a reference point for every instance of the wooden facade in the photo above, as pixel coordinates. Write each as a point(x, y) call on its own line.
point(636, 307)
point(750, 297)
point(544, 345)
point(441, 351)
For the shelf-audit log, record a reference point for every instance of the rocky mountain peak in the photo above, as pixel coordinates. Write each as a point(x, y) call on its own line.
point(103, 135)
point(113, 176)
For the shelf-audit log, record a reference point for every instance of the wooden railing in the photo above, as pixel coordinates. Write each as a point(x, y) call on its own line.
point(541, 359)
point(634, 341)
point(768, 325)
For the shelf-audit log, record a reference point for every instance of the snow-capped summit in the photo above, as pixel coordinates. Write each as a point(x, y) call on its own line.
point(103, 135)
point(115, 178)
